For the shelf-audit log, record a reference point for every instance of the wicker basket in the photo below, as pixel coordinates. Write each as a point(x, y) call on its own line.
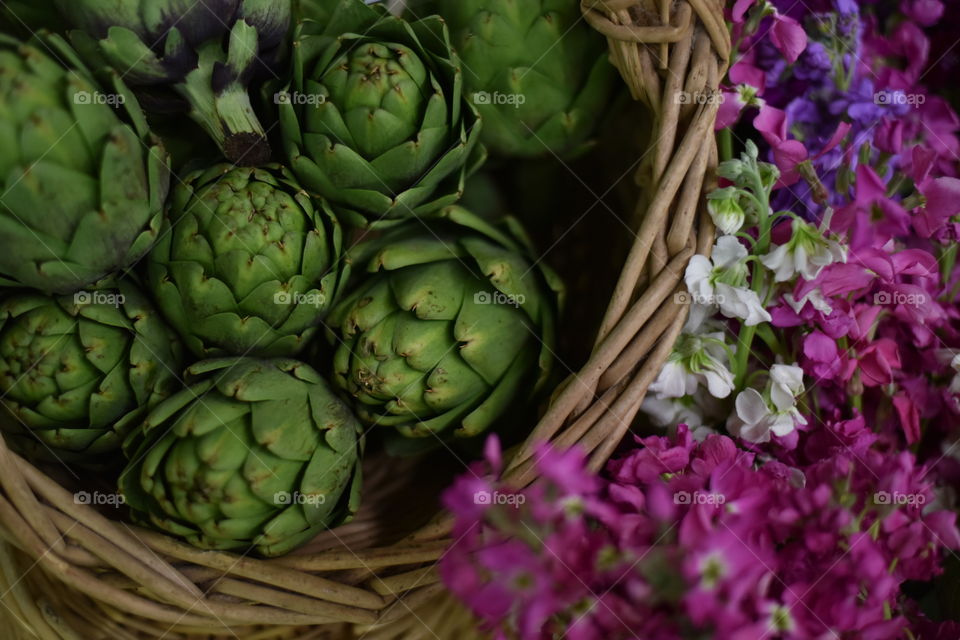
point(66, 571)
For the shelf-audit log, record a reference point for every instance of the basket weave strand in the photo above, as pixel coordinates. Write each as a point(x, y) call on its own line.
point(69, 572)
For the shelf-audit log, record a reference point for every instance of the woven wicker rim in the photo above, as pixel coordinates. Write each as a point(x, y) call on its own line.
point(101, 578)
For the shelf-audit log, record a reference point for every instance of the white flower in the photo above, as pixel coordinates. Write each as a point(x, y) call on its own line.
point(721, 281)
point(695, 359)
point(674, 381)
point(807, 253)
point(698, 412)
point(669, 412)
point(743, 303)
point(755, 421)
point(725, 210)
point(815, 297)
point(786, 383)
point(729, 253)
point(697, 276)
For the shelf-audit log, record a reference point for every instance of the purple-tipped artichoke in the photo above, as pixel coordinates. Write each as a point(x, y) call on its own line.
point(206, 51)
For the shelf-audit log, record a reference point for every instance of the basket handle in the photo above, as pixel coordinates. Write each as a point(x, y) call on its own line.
point(672, 55)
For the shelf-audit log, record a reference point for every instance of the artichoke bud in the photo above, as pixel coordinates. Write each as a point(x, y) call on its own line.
point(78, 371)
point(251, 263)
point(375, 119)
point(253, 454)
point(538, 74)
point(202, 54)
point(82, 190)
point(447, 330)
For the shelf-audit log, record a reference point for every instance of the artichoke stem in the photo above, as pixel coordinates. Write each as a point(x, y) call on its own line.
point(244, 143)
point(229, 119)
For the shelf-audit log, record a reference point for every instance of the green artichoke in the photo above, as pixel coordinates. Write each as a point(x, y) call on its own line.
point(448, 329)
point(537, 72)
point(81, 193)
point(254, 453)
point(78, 371)
point(196, 54)
point(375, 119)
point(251, 263)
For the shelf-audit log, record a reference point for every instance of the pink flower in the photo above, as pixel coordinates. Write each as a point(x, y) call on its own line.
point(789, 154)
point(941, 203)
point(788, 36)
point(878, 362)
point(872, 219)
point(924, 12)
point(823, 360)
point(909, 417)
point(748, 82)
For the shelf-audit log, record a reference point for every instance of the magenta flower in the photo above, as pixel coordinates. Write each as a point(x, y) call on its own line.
point(941, 198)
point(723, 545)
point(788, 36)
point(923, 12)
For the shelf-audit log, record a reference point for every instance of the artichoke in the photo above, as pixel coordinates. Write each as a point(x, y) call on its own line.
point(251, 264)
point(78, 371)
point(254, 453)
point(537, 72)
point(375, 119)
point(448, 329)
point(204, 53)
point(81, 193)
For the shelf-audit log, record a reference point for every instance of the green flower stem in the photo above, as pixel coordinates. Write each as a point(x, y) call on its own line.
point(725, 138)
point(770, 339)
point(947, 261)
point(759, 276)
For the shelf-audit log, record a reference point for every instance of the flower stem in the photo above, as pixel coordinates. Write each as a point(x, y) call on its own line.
point(758, 276)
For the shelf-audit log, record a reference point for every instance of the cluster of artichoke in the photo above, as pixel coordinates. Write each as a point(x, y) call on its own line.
point(233, 327)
